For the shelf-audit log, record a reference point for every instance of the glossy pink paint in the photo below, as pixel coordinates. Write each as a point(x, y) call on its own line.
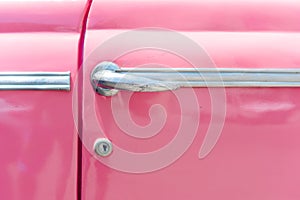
point(38, 137)
point(41, 16)
point(197, 15)
point(256, 156)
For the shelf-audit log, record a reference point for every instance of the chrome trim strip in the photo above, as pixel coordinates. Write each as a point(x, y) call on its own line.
point(35, 81)
point(220, 77)
point(217, 76)
point(261, 70)
point(107, 78)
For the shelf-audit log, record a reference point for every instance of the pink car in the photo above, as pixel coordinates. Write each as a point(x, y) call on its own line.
point(153, 99)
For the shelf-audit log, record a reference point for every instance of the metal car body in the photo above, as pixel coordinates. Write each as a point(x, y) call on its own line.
point(198, 99)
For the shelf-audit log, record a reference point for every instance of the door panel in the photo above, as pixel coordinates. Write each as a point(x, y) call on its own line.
point(255, 156)
point(38, 140)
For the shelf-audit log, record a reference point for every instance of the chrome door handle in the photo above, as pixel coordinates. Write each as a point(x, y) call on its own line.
point(107, 78)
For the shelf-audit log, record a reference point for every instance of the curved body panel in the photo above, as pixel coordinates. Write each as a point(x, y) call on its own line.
point(38, 138)
point(255, 156)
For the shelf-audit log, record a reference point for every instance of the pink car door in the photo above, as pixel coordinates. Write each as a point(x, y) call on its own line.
point(189, 100)
point(39, 42)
